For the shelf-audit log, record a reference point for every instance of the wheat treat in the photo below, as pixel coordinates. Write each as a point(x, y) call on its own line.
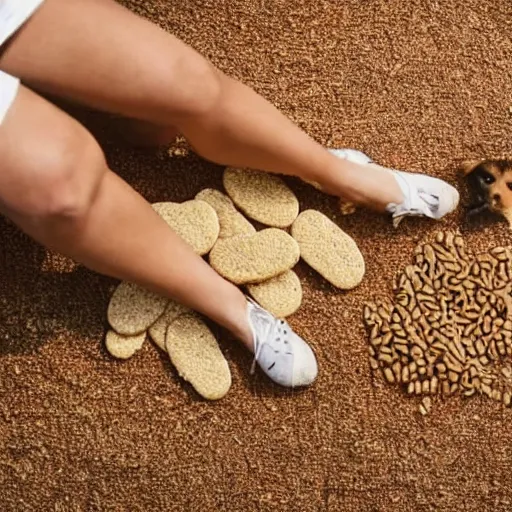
point(347, 208)
point(231, 221)
point(256, 258)
point(159, 328)
point(262, 196)
point(132, 309)
point(194, 221)
point(447, 329)
point(197, 357)
point(281, 295)
point(123, 347)
point(328, 249)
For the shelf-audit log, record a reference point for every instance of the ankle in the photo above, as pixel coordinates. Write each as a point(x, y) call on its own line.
point(240, 328)
point(367, 185)
point(353, 176)
point(243, 333)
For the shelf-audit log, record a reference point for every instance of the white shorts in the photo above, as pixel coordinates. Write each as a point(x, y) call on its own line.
point(13, 13)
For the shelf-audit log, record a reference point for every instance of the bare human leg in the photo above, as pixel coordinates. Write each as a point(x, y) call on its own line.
point(85, 50)
point(56, 186)
point(98, 53)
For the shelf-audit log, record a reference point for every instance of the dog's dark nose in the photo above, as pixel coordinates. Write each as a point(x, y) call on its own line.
point(496, 197)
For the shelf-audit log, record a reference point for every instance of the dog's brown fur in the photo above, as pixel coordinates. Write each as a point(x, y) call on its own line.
point(490, 184)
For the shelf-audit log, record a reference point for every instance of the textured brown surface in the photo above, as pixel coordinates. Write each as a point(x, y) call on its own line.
point(417, 85)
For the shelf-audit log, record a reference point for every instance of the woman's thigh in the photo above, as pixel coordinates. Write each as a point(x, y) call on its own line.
point(100, 54)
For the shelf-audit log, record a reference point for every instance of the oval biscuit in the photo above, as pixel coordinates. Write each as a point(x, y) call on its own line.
point(123, 347)
point(159, 328)
point(281, 295)
point(231, 221)
point(256, 258)
point(194, 352)
point(194, 221)
point(132, 309)
point(262, 196)
point(328, 249)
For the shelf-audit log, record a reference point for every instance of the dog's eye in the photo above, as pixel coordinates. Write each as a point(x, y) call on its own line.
point(509, 185)
point(488, 178)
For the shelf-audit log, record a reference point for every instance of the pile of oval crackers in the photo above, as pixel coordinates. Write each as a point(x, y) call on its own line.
point(261, 262)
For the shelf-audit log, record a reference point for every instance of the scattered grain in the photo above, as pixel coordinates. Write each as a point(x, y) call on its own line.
point(448, 322)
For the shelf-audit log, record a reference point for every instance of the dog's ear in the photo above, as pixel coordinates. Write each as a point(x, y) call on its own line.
point(468, 166)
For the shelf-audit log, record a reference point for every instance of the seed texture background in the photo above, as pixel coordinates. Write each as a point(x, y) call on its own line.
point(417, 85)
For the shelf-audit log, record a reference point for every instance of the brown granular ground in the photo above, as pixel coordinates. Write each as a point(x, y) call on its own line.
point(418, 85)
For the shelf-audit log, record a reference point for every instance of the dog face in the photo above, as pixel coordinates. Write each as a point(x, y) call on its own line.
point(490, 185)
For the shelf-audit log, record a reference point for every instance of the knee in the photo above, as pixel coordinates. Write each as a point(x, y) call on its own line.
point(61, 184)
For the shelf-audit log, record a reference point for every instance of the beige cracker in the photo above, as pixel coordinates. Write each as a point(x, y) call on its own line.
point(132, 309)
point(231, 221)
point(262, 196)
point(123, 347)
point(328, 249)
point(256, 258)
point(194, 221)
point(281, 295)
point(159, 328)
point(196, 355)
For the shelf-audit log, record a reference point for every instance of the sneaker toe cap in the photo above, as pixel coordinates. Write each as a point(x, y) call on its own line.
point(449, 200)
point(305, 367)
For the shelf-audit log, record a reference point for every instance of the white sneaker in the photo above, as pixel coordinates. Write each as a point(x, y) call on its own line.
point(423, 196)
point(285, 357)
